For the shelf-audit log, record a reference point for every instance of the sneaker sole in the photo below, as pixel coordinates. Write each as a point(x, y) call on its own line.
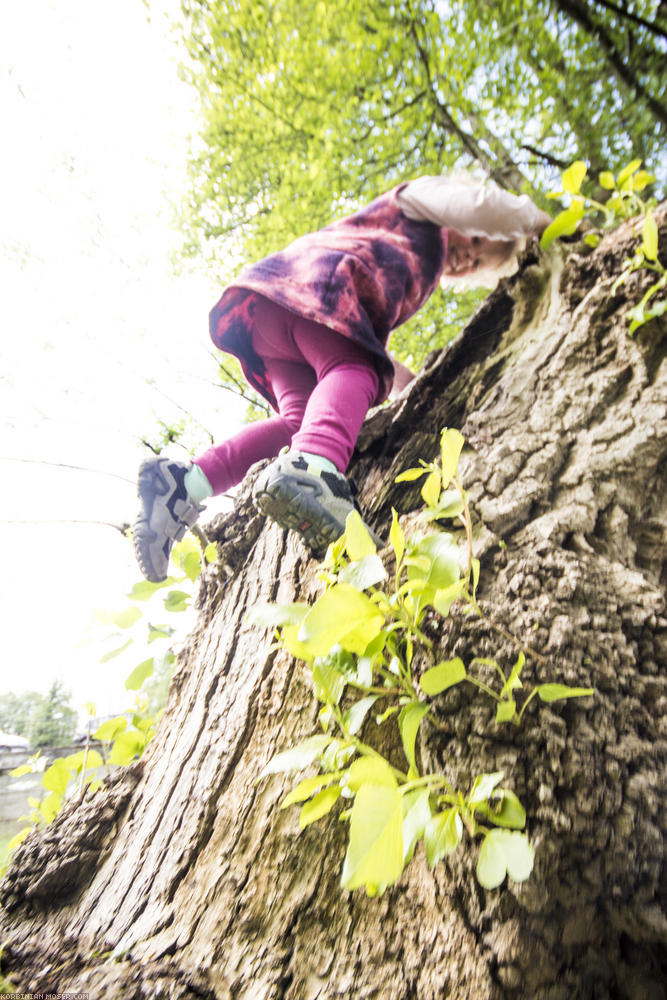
point(151, 484)
point(284, 501)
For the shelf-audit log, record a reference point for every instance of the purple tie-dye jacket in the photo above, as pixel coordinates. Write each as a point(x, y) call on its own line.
point(362, 276)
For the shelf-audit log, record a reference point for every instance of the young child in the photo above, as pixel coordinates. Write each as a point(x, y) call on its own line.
point(309, 326)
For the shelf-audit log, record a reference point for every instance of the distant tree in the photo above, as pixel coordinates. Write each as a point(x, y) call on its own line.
point(17, 711)
point(54, 722)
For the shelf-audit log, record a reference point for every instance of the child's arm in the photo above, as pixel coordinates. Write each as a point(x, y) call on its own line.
point(472, 209)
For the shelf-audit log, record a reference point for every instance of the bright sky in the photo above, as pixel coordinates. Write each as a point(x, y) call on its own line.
point(98, 332)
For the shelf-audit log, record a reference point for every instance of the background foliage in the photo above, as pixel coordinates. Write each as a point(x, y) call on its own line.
point(311, 109)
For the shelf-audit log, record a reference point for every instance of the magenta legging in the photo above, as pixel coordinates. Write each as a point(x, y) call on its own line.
point(324, 384)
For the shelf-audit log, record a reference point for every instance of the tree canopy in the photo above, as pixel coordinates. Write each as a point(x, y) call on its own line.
point(311, 109)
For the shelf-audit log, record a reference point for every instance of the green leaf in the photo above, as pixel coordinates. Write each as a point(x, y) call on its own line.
point(506, 710)
point(442, 835)
point(276, 615)
point(192, 566)
point(57, 777)
point(19, 771)
point(475, 566)
point(143, 590)
point(90, 708)
point(641, 180)
point(341, 615)
point(289, 639)
point(554, 692)
point(50, 806)
point(355, 715)
point(126, 747)
point(374, 855)
point(367, 572)
point(176, 600)
point(115, 652)
point(396, 537)
point(127, 618)
point(408, 722)
point(93, 760)
point(442, 676)
point(319, 805)
point(297, 757)
point(627, 172)
point(443, 564)
point(111, 728)
point(410, 475)
point(606, 180)
point(369, 771)
point(431, 489)
point(328, 682)
point(509, 812)
point(572, 177)
point(357, 538)
point(211, 552)
point(140, 674)
point(513, 681)
point(564, 224)
point(416, 814)
point(159, 632)
point(306, 788)
point(451, 443)
point(592, 239)
point(504, 852)
point(483, 786)
point(650, 237)
point(443, 599)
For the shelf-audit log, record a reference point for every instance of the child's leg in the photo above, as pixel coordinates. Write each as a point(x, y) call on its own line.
point(226, 464)
point(347, 385)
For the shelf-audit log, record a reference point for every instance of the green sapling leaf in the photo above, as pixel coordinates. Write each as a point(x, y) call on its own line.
point(513, 681)
point(343, 615)
point(319, 805)
point(116, 652)
point(296, 758)
point(50, 806)
point(650, 237)
point(357, 538)
point(451, 443)
point(442, 835)
point(306, 788)
point(554, 692)
point(508, 812)
point(573, 177)
point(140, 674)
point(506, 710)
point(564, 224)
point(483, 786)
point(443, 599)
point(144, 590)
point(57, 777)
point(367, 572)
point(606, 180)
point(416, 814)
point(354, 717)
point(369, 771)
point(176, 600)
point(431, 489)
point(444, 675)
point(627, 172)
point(410, 475)
point(276, 615)
point(374, 855)
point(409, 721)
point(328, 682)
point(192, 566)
point(211, 552)
point(396, 537)
point(504, 852)
point(126, 747)
point(110, 729)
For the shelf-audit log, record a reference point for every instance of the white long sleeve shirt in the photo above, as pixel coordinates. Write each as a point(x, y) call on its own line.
point(472, 210)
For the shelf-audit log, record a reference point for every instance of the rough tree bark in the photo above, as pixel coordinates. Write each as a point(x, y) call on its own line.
point(186, 871)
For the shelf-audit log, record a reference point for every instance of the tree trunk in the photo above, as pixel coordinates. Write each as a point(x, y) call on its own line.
point(184, 880)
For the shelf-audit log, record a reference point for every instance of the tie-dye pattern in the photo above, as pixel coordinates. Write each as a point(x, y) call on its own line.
point(362, 276)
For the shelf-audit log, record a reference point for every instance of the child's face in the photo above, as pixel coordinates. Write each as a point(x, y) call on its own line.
point(466, 254)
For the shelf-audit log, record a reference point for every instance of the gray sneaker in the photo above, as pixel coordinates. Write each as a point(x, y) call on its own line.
point(166, 512)
point(308, 500)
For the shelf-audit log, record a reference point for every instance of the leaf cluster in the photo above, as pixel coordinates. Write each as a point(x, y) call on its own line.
point(365, 650)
